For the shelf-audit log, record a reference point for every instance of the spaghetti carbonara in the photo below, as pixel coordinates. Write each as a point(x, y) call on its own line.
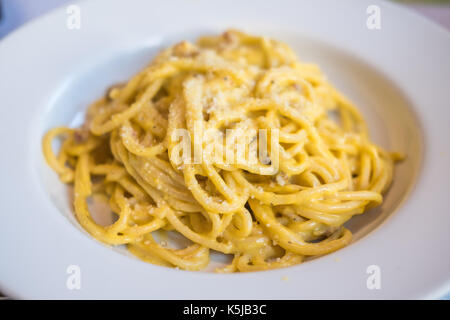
point(231, 143)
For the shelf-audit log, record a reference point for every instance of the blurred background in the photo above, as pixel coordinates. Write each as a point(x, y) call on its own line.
point(14, 13)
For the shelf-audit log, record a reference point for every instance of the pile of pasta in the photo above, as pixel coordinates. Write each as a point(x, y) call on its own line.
point(327, 171)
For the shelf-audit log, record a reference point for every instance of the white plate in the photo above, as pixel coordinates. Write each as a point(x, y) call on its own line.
point(398, 76)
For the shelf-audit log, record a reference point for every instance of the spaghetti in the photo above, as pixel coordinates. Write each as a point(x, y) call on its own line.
point(320, 170)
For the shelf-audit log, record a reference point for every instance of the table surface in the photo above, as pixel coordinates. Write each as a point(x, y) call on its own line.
point(14, 13)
